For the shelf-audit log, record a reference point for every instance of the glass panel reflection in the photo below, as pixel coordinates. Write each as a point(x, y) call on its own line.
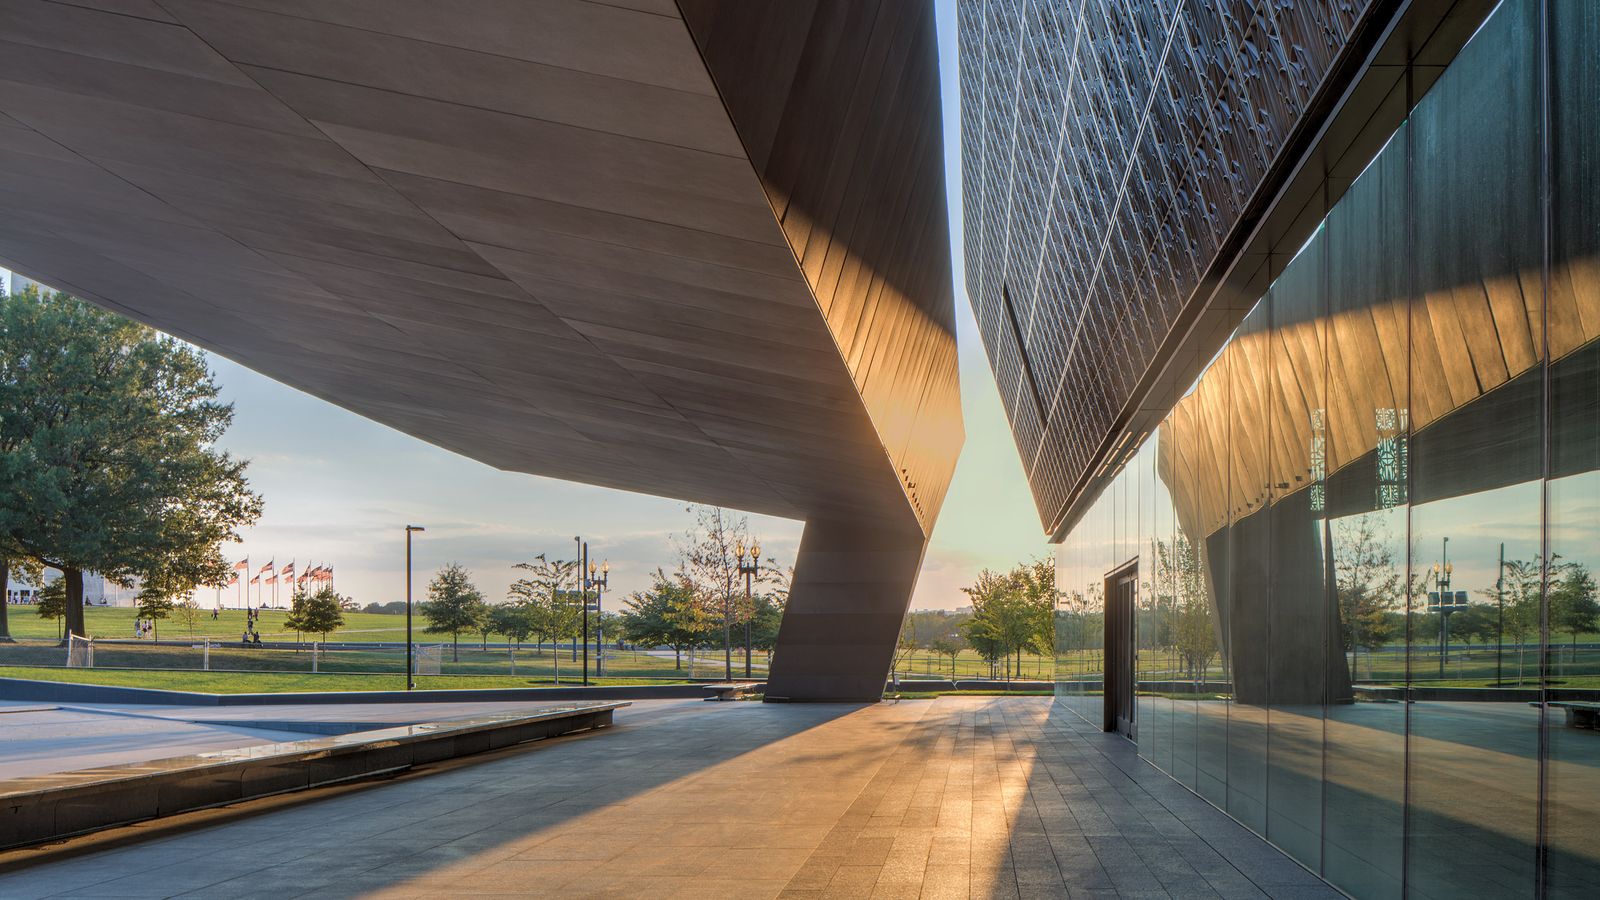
point(1368, 536)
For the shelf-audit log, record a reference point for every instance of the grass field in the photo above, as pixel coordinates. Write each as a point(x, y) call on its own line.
point(970, 665)
point(275, 682)
point(117, 622)
point(289, 682)
point(525, 663)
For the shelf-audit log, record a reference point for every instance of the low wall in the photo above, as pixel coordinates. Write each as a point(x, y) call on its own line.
point(50, 807)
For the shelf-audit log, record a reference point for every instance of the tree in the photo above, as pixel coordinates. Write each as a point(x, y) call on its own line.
point(905, 645)
point(947, 646)
point(1573, 608)
point(153, 603)
point(108, 450)
point(454, 605)
point(1011, 613)
point(553, 609)
point(545, 599)
point(52, 600)
point(1368, 584)
point(187, 612)
point(12, 562)
point(320, 612)
point(768, 619)
point(512, 620)
point(708, 562)
point(647, 618)
point(690, 614)
point(1517, 600)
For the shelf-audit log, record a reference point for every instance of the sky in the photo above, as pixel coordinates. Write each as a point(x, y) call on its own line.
point(339, 488)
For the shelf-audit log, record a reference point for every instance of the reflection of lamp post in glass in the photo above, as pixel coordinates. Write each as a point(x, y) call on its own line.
point(748, 571)
point(1500, 626)
point(1441, 580)
point(599, 586)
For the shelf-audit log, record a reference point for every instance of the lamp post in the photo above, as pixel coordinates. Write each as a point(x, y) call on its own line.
point(411, 671)
point(1500, 626)
point(599, 584)
point(748, 571)
point(583, 598)
point(1441, 579)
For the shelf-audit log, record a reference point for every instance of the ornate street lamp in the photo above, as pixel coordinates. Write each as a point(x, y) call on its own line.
point(748, 571)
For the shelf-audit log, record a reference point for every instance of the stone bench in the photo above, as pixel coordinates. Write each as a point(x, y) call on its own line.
point(731, 690)
point(1579, 714)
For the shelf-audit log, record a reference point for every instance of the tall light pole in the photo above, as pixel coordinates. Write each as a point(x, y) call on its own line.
point(583, 598)
point(748, 571)
point(1441, 579)
point(411, 670)
point(599, 584)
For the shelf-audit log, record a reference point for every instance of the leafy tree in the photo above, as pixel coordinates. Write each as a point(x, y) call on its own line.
point(554, 605)
point(319, 612)
point(932, 624)
point(1573, 608)
point(1518, 598)
point(514, 620)
point(1196, 636)
point(551, 607)
point(1478, 622)
point(947, 646)
point(454, 605)
point(153, 603)
point(392, 608)
point(904, 646)
point(667, 615)
point(1368, 583)
point(108, 450)
point(1011, 613)
point(52, 600)
point(768, 619)
point(187, 612)
point(12, 562)
point(709, 565)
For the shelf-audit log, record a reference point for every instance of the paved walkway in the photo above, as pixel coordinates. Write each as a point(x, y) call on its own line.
point(971, 796)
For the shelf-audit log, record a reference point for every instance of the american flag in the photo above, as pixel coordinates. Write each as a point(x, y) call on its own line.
point(271, 579)
point(288, 570)
point(242, 565)
point(266, 568)
point(256, 580)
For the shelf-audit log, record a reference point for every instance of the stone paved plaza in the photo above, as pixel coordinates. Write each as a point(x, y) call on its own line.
point(959, 797)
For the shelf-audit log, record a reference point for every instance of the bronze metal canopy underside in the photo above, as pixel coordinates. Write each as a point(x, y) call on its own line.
point(699, 253)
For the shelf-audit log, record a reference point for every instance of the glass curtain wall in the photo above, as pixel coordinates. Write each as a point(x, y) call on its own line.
point(1367, 538)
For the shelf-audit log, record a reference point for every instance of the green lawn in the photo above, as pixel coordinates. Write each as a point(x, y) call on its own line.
point(970, 665)
point(523, 664)
point(117, 622)
point(274, 682)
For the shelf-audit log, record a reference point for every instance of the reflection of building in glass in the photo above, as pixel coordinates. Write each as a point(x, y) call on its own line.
point(1357, 333)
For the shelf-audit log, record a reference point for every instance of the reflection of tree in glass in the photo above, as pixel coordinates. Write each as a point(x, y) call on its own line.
point(1369, 586)
point(1186, 622)
point(1519, 599)
point(1573, 608)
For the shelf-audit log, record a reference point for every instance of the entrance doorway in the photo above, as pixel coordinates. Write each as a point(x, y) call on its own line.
point(1121, 590)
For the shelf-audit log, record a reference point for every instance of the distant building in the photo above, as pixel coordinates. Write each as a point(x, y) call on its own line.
point(97, 590)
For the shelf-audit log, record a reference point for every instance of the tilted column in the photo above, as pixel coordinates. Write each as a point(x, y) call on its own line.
point(852, 585)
